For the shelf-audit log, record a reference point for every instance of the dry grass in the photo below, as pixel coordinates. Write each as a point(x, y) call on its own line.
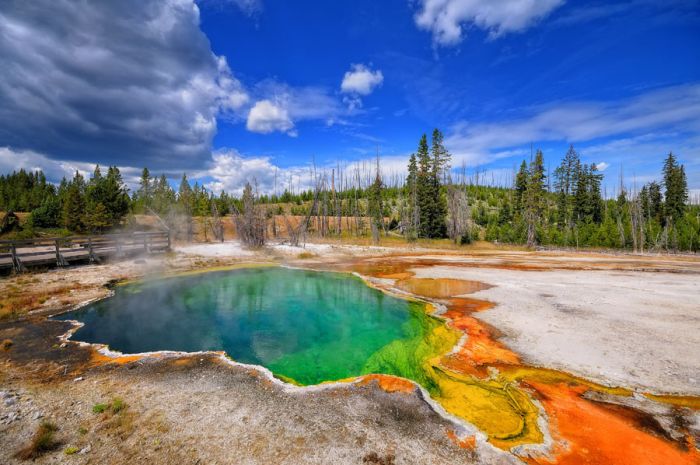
point(26, 295)
point(43, 441)
point(375, 459)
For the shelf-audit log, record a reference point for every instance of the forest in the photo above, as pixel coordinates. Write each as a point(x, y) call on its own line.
point(568, 210)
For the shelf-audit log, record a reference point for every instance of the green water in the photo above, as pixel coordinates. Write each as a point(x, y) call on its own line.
point(305, 326)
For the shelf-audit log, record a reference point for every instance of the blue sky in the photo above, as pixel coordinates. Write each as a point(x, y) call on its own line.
point(234, 90)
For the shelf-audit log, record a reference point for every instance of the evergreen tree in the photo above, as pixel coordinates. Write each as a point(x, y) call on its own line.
point(588, 202)
point(143, 199)
point(163, 195)
point(655, 207)
point(676, 186)
point(426, 197)
point(441, 164)
point(521, 180)
point(74, 204)
point(185, 197)
point(566, 180)
point(412, 195)
point(97, 219)
point(116, 196)
point(48, 215)
point(375, 205)
point(535, 197)
point(111, 193)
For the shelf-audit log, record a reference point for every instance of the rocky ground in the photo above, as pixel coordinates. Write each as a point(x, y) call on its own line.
point(606, 318)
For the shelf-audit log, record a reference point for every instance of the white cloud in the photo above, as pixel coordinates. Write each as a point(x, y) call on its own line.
point(266, 117)
point(677, 108)
point(602, 166)
point(54, 170)
point(361, 80)
point(280, 107)
point(446, 19)
point(229, 171)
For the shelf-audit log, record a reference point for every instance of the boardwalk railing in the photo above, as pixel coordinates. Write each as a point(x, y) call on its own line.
point(62, 251)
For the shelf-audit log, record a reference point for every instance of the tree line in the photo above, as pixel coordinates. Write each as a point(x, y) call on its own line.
point(568, 210)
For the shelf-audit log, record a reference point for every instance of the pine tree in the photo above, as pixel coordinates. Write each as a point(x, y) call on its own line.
point(163, 195)
point(521, 180)
point(184, 196)
point(412, 194)
point(566, 177)
point(595, 198)
point(655, 208)
point(97, 219)
point(535, 197)
point(375, 205)
point(144, 195)
point(676, 186)
point(441, 164)
point(74, 204)
point(116, 196)
point(426, 198)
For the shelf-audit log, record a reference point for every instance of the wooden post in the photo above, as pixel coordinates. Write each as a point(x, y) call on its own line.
point(59, 262)
point(16, 264)
point(92, 255)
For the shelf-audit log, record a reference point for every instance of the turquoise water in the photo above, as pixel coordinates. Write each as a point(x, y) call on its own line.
point(305, 326)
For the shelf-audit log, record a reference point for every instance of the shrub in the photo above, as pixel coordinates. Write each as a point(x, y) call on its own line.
point(42, 441)
point(99, 408)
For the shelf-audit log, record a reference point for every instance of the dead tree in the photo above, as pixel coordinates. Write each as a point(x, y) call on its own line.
point(297, 233)
point(251, 223)
point(217, 226)
point(458, 212)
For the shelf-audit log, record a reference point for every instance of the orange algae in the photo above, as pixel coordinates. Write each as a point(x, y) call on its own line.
point(480, 380)
point(468, 443)
point(389, 383)
point(98, 358)
point(479, 349)
point(587, 433)
point(440, 288)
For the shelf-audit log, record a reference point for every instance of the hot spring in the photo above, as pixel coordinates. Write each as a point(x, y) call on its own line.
point(305, 326)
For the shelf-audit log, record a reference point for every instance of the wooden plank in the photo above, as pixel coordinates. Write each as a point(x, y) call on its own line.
point(63, 250)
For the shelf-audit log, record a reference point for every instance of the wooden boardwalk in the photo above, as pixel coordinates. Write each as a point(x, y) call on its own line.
point(63, 251)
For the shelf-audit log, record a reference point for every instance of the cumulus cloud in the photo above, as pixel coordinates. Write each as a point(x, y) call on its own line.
point(602, 166)
point(361, 80)
point(134, 80)
point(229, 171)
point(446, 19)
point(266, 117)
point(281, 106)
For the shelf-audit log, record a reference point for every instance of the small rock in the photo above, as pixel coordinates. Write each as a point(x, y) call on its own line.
point(79, 378)
point(37, 415)
point(10, 401)
point(85, 449)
